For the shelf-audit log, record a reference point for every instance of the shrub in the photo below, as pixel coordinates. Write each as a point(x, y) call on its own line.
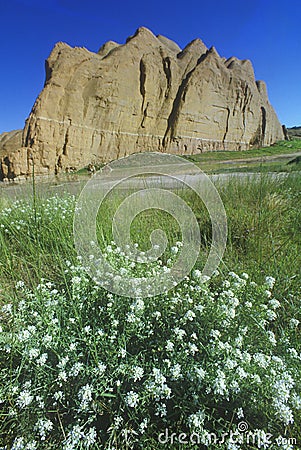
point(83, 368)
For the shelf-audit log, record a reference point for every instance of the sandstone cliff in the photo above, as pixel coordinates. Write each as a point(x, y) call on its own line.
point(145, 95)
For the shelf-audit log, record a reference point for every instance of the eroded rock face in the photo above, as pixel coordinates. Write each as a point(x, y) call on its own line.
point(145, 95)
point(13, 158)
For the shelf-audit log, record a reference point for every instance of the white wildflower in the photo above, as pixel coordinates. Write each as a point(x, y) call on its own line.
point(24, 335)
point(200, 373)
point(7, 308)
point(33, 353)
point(176, 371)
point(262, 360)
point(18, 444)
point(32, 445)
point(230, 364)
point(271, 337)
point(75, 369)
point(132, 399)
point(293, 352)
point(192, 348)
point(219, 385)
point(270, 281)
point(294, 323)
point(20, 284)
point(197, 420)
point(169, 346)
point(274, 303)
point(283, 412)
point(190, 315)
point(271, 315)
point(85, 396)
point(215, 334)
point(58, 396)
point(47, 339)
point(161, 410)
point(296, 401)
point(24, 399)
point(87, 329)
point(101, 368)
point(143, 425)
point(122, 353)
point(63, 376)
point(137, 373)
point(240, 413)
point(157, 315)
point(179, 333)
point(62, 363)
point(117, 422)
point(43, 427)
point(197, 274)
point(241, 372)
point(90, 437)
point(41, 361)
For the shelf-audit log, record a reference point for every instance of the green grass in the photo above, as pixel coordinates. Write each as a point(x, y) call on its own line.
point(91, 327)
point(255, 167)
point(263, 219)
point(254, 160)
point(281, 147)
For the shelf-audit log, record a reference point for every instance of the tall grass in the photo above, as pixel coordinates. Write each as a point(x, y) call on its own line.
point(83, 368)
point(263, 216)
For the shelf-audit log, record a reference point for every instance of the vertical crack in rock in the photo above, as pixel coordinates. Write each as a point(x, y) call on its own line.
point(142, 124)
point(259, 137)
point(263, 123)
point(27, 139)
point(227, 124)
point(142, 69)
point(167, 71)
point(247, 96)
point(65, 151)
point(172, 120)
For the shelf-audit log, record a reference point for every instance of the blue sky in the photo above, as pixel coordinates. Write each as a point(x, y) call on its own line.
point(268, 32)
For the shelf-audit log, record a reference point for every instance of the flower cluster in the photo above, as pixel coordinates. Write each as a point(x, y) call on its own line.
point(83, 368)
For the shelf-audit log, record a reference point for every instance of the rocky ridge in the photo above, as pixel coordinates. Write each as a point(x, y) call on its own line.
point(294, 132)
point(144, 95)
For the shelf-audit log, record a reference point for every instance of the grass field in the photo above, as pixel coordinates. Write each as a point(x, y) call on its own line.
point(266, 159)
point(254, 160)
point(279, 148)
point(84, 368)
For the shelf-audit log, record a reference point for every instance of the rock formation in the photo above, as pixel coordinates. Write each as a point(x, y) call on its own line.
point(145, 95)
point(10, 144)
point(294, 132)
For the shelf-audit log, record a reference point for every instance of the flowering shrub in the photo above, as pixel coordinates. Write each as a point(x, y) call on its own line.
point(83, 368)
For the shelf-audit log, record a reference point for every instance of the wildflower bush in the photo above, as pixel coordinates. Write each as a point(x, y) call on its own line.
point(81, 368)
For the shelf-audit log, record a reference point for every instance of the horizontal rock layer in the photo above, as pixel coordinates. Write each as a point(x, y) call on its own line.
point(145, 95)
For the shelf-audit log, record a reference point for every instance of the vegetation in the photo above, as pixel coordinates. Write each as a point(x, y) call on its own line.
point(266, 159)
point(83, 368)
point(254, 160)
point(279, 148)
